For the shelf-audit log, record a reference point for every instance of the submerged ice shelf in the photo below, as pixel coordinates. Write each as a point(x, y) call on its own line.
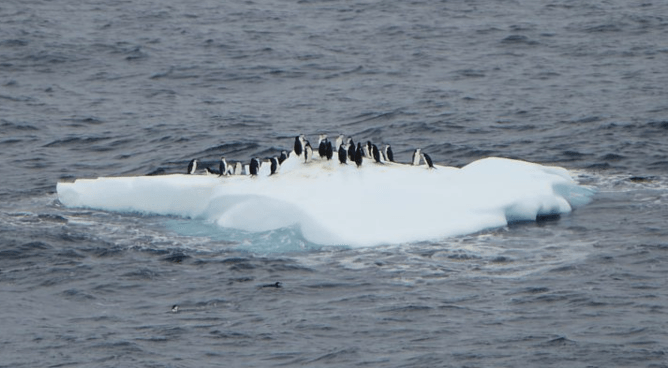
point(335, 204)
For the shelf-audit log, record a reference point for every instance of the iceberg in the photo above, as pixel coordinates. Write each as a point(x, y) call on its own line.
point(342, 204)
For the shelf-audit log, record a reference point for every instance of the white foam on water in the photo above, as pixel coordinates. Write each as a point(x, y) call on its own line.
point(336, 204)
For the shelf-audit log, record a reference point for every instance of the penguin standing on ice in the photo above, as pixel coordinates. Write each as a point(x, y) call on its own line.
point(223, 166)
point(375, 152)
point(358, 155)
point(254, 167)
point(329, 150)
point(351, 150)
point(416, 157)
point(308, 152)
point(322, 145)
point(192, 166)
point(339, 141)
point(389, 155)
point(367, 149)
point(274, 165)
point(343, 154)
point(238, 168)
point(427, 159)
point(283, 157)
point(299, 147)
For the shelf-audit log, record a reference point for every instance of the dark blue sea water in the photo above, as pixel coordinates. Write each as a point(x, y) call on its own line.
point(105, 88)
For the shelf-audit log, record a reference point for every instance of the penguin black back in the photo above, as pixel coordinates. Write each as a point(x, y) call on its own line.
point(254, 166)
point(343, 154)
point(210, 171)
point(427, 159)
point(283, 157)
point(358, 155)
point(329, 150)
point(389, 155)
point(351, 150)
point(322, 148)
point(375, 153)
point(274, 165)
point(298, 146)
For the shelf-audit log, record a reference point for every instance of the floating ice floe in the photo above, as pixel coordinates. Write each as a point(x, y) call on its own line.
point(342, 204)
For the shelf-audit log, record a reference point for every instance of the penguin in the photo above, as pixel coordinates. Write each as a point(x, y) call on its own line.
point(322, 138)
point(358, 155)
point(343, 154)
point(367, 149)
point(254, 166)
point(299, 147)
point(175, 308)
point(322, 145)
point(416, 157)
point(223, 166)
point(375, 152)
point(351, 150)
point(238, 168)
point(210, 171)
point(274, 165)
point(283, 157)
point(192, 166)
point(329, 150)
point(427, 159)
point(339, 141)
point(389, 155)
point(308, 152)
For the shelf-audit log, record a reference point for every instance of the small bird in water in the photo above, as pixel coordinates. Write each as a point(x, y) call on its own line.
point(175, 308)
point(277, 285)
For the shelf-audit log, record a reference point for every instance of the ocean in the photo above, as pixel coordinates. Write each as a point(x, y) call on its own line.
point(105, 88)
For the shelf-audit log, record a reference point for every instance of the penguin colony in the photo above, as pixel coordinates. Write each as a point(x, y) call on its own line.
point(346, 150)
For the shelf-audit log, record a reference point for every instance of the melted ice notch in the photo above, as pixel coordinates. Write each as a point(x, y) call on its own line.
point(336, 204)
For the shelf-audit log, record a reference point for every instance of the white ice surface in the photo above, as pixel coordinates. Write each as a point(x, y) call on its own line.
point(336, 204)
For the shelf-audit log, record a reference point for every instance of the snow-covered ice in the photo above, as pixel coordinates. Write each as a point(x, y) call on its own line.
point(336, 204)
